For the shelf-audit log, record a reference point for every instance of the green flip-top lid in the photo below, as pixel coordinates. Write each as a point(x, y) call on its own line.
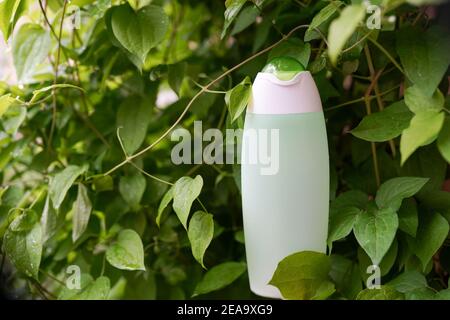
point(284, 67)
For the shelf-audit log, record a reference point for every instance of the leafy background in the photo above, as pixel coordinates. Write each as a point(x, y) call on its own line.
point(85, 164)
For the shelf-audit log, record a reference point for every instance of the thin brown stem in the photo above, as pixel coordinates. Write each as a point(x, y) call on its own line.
point(357, 42)
point(58, 57)
point(150, 175)
point(48, 275)
point(360, 100)
point(374, 151)
point(375, 76)
point(173, 35)
point(369, 111)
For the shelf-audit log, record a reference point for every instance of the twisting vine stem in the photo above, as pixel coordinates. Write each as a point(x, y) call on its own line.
point(198, 94)
point(148, 174)
point(369, 111)
point(63, 49)
point(58, 57)
point(376, 89)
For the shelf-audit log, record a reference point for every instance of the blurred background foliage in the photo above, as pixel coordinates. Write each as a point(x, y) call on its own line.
point(82, 69)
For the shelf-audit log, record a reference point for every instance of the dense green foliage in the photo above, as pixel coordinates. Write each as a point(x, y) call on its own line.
point(85, 154)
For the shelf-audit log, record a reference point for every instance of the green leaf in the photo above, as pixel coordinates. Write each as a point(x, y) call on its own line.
point(408, 218)
point(385, 265)
point(424, 56)
point(10, 11)
point(233, 7)
point(345, 275)
point(132, 189)
point(200, 233)
point(421, 294)
point(349, 199)
point(418, 102)
point(393, 191)
point(127, 253)
point(375, 230)
point(103, 183)
point(341, 224)
point(13, 118)
point(303, 276)
point(384, 293)
point(141, 286)
point(409, 281)
point(384, 125)
point(22, 243)
point(423, 130)
point(186, 190)
point(61, 182)
point(97, 290)
point(443, 141)
point(5, 102)
point(133, 118)
point(342, 28)
point(443, 295)
point(323, 16)
point(82, 208)
point(168, 196)
point(175, 74)
point(139, 31)
point(49, 220)
point(219, 277)
point(245, 18)
point(294, 48)
point(432, 232)
point(30, 46)
point(237, 98)
point(89, 289)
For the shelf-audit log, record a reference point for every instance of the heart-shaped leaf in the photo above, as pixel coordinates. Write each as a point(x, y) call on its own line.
point(186, 190)
point(375, 230)
point(127, 253)
point(139, 31)
point(304, 276)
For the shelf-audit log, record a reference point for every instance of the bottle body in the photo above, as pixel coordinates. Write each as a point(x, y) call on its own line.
point(285, 211)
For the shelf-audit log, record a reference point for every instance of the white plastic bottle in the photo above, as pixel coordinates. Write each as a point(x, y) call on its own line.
point(285, 205)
